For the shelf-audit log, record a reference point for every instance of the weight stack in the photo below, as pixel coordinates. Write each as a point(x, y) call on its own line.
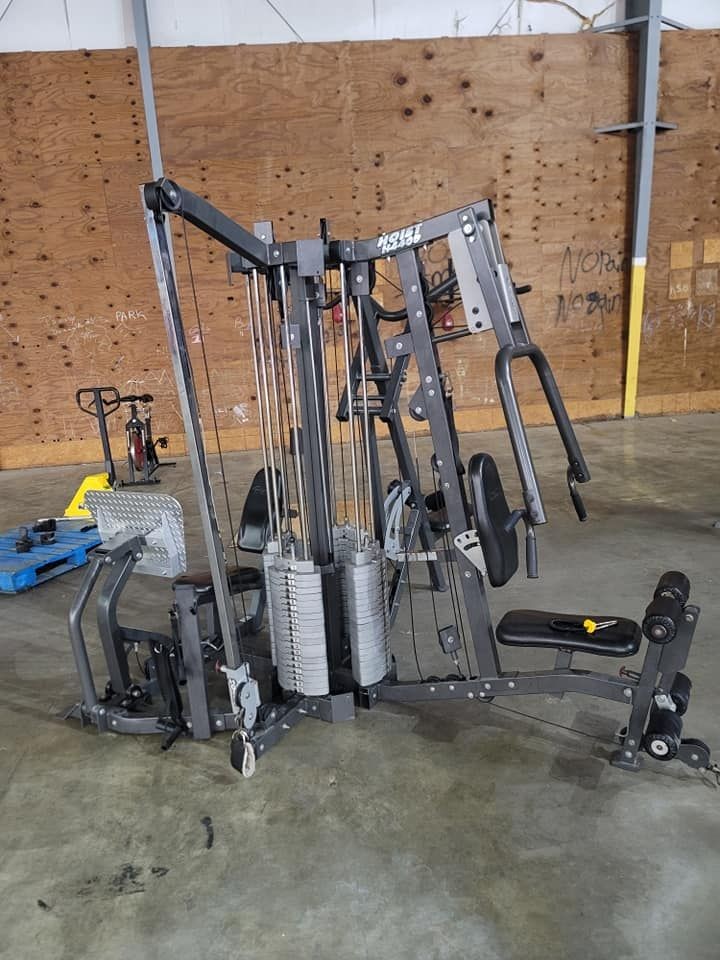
point(298, 618)
point(367, 620)
point(270, 554)
point(344, 546)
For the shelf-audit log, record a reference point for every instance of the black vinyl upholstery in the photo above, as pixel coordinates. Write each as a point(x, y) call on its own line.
point(492, 519)
point(531, 628)
point(241, 579)
point(255, 523)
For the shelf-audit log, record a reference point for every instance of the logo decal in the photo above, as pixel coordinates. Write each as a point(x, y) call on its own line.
point(399, 239)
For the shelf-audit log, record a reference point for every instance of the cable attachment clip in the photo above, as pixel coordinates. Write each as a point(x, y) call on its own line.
point(247, 764)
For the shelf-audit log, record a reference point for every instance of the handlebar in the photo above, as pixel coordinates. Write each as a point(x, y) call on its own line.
point(577, 469)
point(98, 400)
point(137, 398)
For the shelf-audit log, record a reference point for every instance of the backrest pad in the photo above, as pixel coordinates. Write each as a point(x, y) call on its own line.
point(492, 515)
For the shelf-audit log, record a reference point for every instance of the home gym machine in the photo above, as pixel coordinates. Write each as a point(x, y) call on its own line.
point(141, 446)
point(341, 543)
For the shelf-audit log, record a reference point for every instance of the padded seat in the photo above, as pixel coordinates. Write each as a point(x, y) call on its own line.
point(241, 579)
point(531, 628)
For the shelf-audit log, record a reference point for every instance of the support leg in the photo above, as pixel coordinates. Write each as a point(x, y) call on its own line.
point(189, 631)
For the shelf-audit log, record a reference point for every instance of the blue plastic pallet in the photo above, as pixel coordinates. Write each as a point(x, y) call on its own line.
point(21, 571)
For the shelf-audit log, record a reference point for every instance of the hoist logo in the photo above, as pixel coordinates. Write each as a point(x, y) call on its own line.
point(399, 239)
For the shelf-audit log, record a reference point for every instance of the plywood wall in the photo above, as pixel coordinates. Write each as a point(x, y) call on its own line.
point(370, 135)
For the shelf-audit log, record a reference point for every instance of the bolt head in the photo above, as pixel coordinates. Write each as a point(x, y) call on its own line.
point(439, 463)
point(358, 278)
point(418, 409)
point(511, 684)
point(631, 743)
point(276, 253)
point(446, 485)
point(689, 618)
point(694, 757)
point(262, 747)
point(628, 754)
point(413, 288)
point(218, 724)
point(432, 689)
point(428, 379)
point(471, 695)
point(452, 687)
point(418, 313)
point(467, 574)
point(398, 345)
point(488, 686)
point(468, 229)
point(627, 692)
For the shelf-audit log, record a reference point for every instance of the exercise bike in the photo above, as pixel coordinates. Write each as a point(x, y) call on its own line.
point(143, 460)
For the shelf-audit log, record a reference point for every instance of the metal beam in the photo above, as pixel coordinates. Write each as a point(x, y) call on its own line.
point(644, 17)
point(142, 42)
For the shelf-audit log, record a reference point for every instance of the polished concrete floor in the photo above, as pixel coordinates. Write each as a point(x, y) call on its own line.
point(442, 831)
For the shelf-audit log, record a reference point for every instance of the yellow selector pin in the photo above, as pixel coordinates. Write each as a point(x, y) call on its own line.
point(592, 625)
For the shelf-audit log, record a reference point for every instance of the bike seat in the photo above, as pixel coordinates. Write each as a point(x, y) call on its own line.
point(533, 628)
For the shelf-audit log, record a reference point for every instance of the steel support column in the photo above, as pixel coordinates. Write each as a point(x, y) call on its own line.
point(645, 17)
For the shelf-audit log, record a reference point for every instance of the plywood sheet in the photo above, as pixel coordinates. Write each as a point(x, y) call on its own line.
point(372, 136)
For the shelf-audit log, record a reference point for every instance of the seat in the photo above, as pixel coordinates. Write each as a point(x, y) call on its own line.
point(256, 521)
point(493, 520)
point(532, 628)
point(241, 579)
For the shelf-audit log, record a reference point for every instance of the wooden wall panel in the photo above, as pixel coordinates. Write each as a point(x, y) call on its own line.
point(372, 136)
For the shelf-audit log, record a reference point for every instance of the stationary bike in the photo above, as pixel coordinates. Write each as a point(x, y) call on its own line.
point(143, 460)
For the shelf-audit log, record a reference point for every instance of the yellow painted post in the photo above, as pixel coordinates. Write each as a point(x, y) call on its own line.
point(637, 296)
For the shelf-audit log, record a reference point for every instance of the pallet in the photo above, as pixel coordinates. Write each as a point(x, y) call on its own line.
point(22, 571)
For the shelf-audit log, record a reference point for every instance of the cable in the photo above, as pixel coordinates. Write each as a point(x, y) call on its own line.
point(549, 723)
point(238, 633)
point(340, 423)
point(452, 583)
point(410, 599)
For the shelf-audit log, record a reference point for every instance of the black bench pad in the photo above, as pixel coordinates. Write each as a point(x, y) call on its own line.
point(241, 579)
point(531, 628)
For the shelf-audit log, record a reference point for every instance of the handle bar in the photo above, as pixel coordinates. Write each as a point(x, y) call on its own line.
point(578, 469)
point(137, 398)
point(93, 408)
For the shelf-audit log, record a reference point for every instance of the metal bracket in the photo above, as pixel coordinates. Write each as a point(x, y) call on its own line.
point(468, 543)
point(244, 693)
point(664, 701)
point(399, 346)
point(449, 639)
point(477, 315)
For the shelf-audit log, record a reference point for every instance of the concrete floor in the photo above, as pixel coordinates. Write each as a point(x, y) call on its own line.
point(456, 831)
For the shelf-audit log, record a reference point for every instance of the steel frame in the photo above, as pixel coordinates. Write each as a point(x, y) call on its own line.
point(304, 263)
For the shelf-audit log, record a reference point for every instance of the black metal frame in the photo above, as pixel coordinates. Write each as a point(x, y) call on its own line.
point(304, 263)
